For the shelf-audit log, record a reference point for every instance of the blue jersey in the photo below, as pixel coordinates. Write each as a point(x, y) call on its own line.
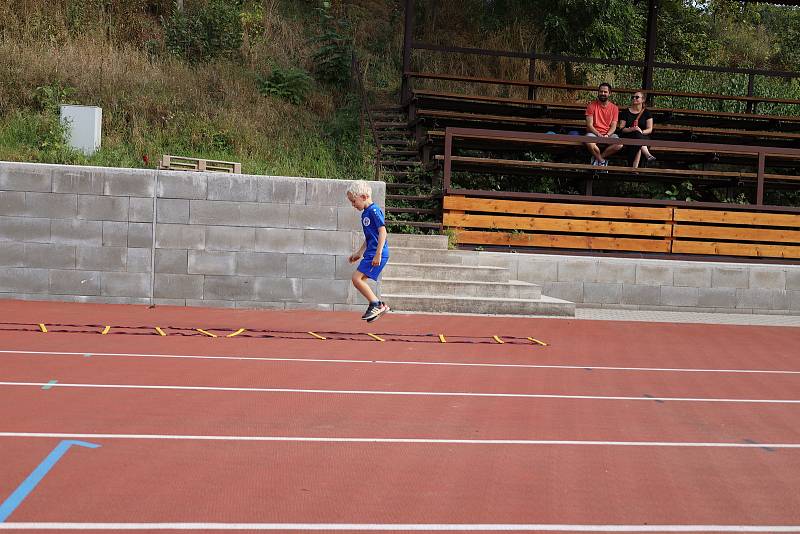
point(371, 221)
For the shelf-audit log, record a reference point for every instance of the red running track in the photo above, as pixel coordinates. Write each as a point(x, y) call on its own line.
point(655, 427)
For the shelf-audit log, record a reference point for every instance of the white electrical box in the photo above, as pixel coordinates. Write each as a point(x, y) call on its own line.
point(84, 125)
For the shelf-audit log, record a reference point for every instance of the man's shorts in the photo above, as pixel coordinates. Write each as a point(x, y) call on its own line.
point(612, 136)
point(372, 271)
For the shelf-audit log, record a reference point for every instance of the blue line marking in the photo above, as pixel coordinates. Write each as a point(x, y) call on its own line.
point(27, 486)
point(50, 384)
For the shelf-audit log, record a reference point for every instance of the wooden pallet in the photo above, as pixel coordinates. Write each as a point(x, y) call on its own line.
point(180, 163)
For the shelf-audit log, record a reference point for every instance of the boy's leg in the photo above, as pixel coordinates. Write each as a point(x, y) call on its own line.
point(360, 283)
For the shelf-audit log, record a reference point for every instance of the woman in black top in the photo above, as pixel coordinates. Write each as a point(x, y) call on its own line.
point(636, 122)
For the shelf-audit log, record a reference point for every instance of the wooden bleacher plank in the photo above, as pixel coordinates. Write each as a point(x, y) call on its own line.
point(732, 233)
point(736, 217)
point(562, 241)
point(542, 224)
point(735, 249)
point(556, 209)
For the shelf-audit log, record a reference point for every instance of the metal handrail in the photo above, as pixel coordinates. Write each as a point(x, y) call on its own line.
point(358, 76)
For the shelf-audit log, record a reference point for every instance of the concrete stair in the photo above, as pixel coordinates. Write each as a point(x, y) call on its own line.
point(424, 276)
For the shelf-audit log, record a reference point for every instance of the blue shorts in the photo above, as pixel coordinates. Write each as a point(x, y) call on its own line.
point(372, 271)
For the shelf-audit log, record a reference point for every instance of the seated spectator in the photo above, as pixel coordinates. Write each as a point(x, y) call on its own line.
point(636, 122)
point(602, 116)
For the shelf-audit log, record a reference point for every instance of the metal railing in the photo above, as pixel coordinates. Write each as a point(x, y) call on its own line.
point(357, 75)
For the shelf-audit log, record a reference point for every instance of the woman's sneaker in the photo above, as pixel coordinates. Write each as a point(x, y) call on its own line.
point(376, 312)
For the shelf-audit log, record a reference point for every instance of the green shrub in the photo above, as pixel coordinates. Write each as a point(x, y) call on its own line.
point(292, 84)
point(334, 48)
point(204, 31)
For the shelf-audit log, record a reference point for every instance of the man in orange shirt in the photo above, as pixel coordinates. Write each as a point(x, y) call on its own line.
point(602, 116)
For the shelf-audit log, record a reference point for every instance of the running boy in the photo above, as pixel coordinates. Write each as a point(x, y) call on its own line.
point(374, 250)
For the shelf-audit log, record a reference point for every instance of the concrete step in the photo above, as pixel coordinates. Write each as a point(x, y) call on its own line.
point(441, 271)
point(449, 304)
point(513, 289)
point(427, 255)
point(421, 241)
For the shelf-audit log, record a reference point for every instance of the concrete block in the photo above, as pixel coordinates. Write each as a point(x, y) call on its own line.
point(679, 296)
point(103, 208)
point(280, 190)
point(328, 242)
point(24, 229)
point(251, 214)
point(172, 261)
point(537, 270)
point(654, 274)
point(344, 269)
point(77, 232)
point(606, 293)
point(716, 297)
point(170, 302)
point(179, 286)
point(242, 188)
point(774, 278)
point(24, 280)
point(181, 184)
point(180, 236)
point(263, 264)
point(762, 299)
point(12, 203)
point(201, 262)
point(102, 258)
point(231, 287)
point(258, 305)
point(322, 192)
point(691, 276)
point(12, 254)
point(77, 180)
point(115, 234)
point(320, 266)
point(313, 217)
point(793, 298)
point(134, 285)
point(279, 240)
point(172, 211)
point(641, 294)
point(141, 210)
point(26, 177)
point(49, 256)
point(309, 306)
point(230, 238)
point(51, 205)
point(577, 270)
point(722, 276)
point(140, 235)
point(571, 291)
point(616, 272)
point(139, 260)
point(793, 278)
point(74, 282)
point(205, 303)
point(278, 289)
point(127, 182)
point(349, 220)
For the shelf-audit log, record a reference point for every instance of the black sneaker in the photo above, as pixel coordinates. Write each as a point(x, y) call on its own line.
point(377, 311)
point(370, 310)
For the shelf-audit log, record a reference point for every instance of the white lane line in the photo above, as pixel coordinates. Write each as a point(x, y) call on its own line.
point(401, 393)
point(405, 362)
point(440, 527)
point(178, 437)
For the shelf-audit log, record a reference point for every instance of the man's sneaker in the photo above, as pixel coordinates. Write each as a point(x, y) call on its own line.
point(370, 310)
point(377, 311)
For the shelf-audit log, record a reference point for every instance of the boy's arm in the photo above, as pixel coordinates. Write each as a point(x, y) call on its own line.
point(381, 241)
point(355, 256)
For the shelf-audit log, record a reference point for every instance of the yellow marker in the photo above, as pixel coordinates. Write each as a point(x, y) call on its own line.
point(442, 339)
point(496, 338)
point(537, 341)
point(209, 334)
point(160, 332)
point(234, 334)
point(105, 330)
point(317, 335)
point(43, 328)
point(376, 338)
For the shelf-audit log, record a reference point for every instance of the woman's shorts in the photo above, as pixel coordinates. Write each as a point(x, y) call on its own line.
point(372, 271)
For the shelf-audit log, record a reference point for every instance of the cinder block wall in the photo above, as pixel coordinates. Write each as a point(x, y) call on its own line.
point(87, 234)
point(650, 284)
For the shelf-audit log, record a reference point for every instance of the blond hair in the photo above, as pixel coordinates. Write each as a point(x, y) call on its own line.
point(358, 188)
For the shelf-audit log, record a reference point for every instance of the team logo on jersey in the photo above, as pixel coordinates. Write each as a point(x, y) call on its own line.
point(365, 221)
